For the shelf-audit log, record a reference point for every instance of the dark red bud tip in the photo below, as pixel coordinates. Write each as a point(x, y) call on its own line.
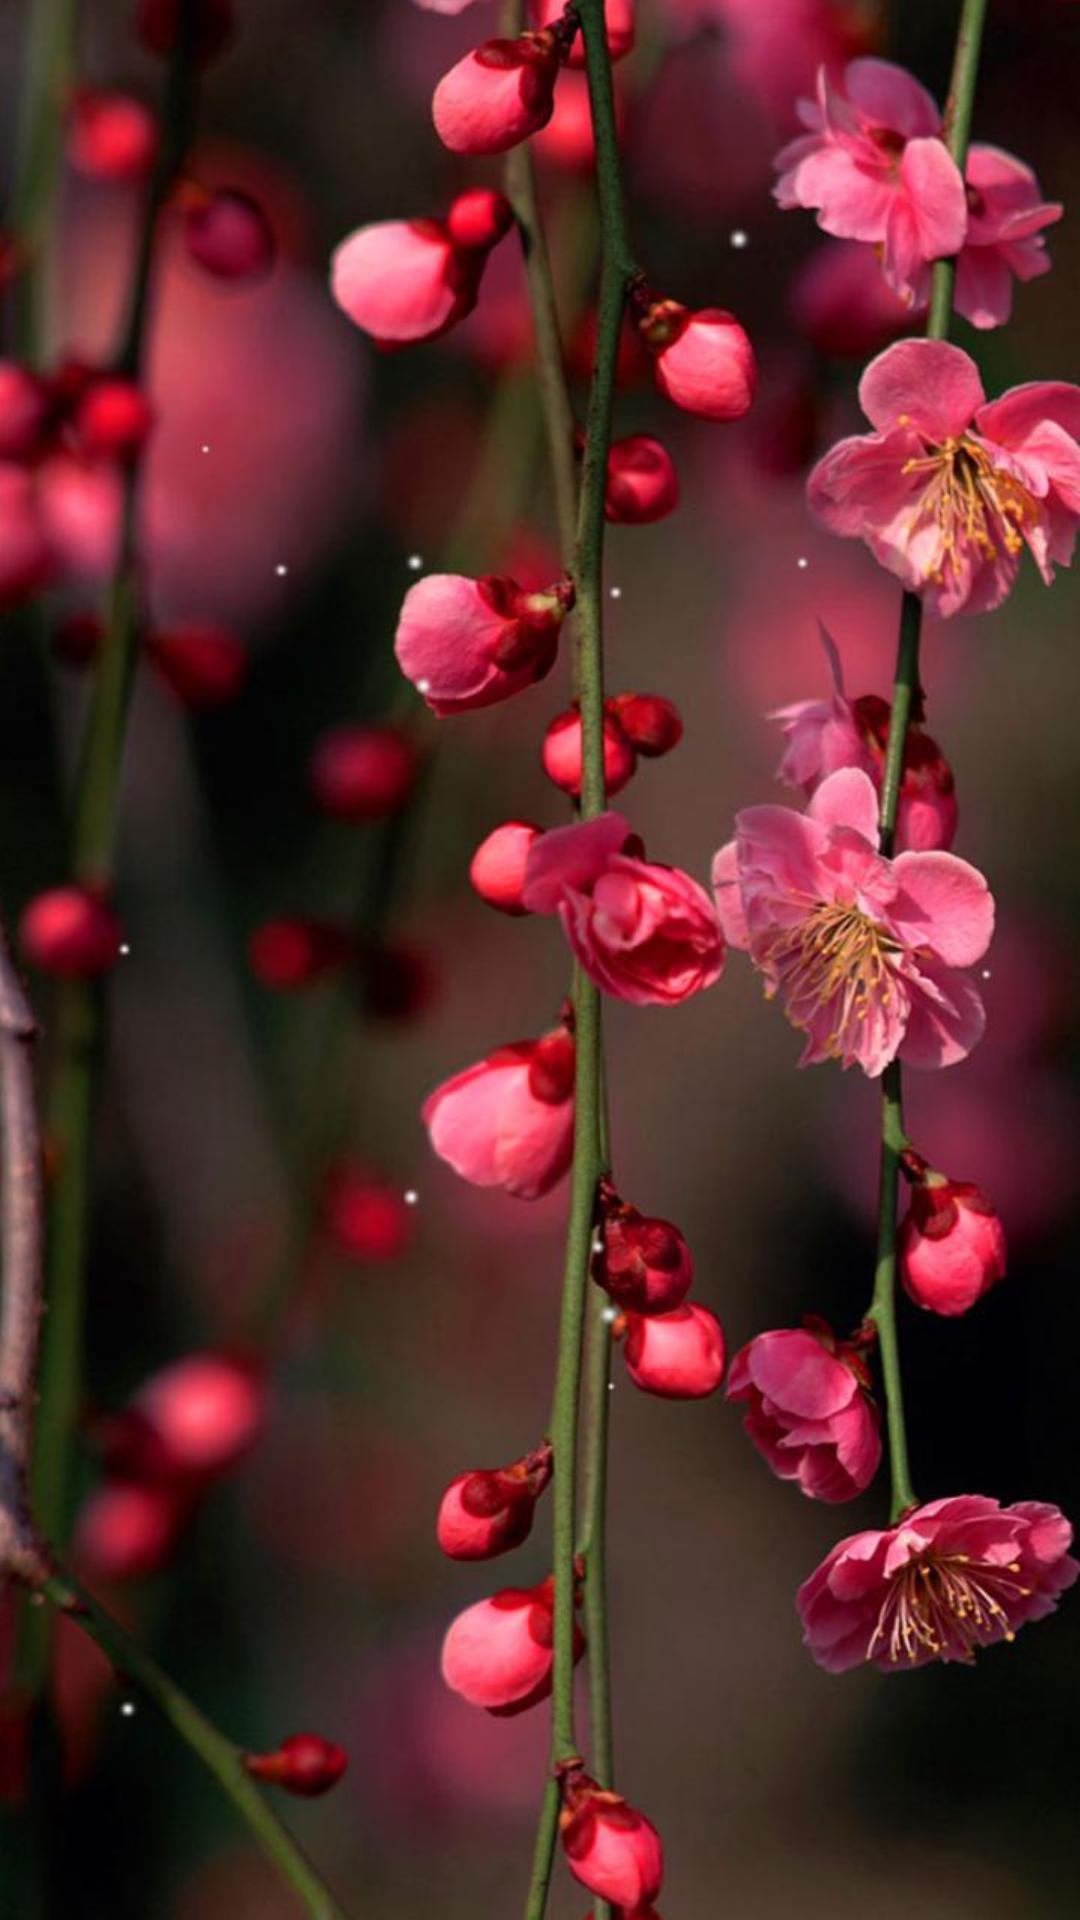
point(479, 218)
point(293, 952)
point(229, 235)
point(305, 1764)
point(660, 321)
point(551, 1069)
point(652, 724)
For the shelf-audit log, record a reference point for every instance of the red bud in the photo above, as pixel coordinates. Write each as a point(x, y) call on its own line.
point(305, 1764)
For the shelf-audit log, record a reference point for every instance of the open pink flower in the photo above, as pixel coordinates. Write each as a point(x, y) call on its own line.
point(949, 487)
point(407, 280)
point(808, 1410)
point(868, 953)
point(645, 933)
point(471, 643)
point(950, 1578)
point(822, 736)
point(509, 1120)
point(1006, 218)
point(874, 166)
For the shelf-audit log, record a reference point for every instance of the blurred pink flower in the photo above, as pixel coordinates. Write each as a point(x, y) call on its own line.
point(948, 1579)
point(774, 51)
point(1006, 218)
point(869, 953)
point(949, 487)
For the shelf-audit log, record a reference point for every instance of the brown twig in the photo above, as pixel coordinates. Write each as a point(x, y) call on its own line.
point(22, 1556)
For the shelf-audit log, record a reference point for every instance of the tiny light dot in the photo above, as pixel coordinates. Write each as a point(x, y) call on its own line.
point(125, 948)
point(610, 1314)
point(616, 593)
point(411, 1197)
point(611, 1386)
point(416, 561)
point(802, 562)
point(598, 1243)
point(986, 973)
point(205, 448)
point(127, 1708)
point(423, 686)
point(740, 238)
point(281, 570)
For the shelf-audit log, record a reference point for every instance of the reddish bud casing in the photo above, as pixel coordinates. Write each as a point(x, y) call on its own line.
point(294, 951)
point(951, 1244)
point(304, 1764)
point(487, 1512)
point(642, 484)
point(560, 753)
point(652, 724)
point(479, 218)
point(609, 1846)
point(677, 1355)
point(645, 1264)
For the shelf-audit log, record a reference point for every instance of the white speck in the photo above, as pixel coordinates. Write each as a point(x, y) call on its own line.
point(598, 1243)
point(205, 448)
point(616, 593)
point(739, 239)
point(281, 570)
point(125, 949)
point(127, 1709)
point(802, 563)
point(986, 973)
point(415, 562)
point(423, 686)
point(610, 1315)
point(411, 1197)
point(611, 1386)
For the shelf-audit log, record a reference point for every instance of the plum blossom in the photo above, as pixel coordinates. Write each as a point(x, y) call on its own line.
point(470, 643)
point(610, 1847)
point(948, 488)
point(868, 953)
point(1006, 218)
point(950, 1578)
point(409, 280)
point(808, 1409)
point(508, 1121)
point(499, 94)
point(951, 1244)
point(874, 166)
point(644, 933)
point(498, 1653)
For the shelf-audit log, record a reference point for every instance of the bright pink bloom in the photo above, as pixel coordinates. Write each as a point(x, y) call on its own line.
point(295, 950)
point(470, 643)
point(499, 863)
point(24, 405)
point(948, 1579)
point(951, 1244)
point(948, 487)
point(305, 1764)
point(560, 753)
point(488, 1511)
point(824, 735)
point(874, 166)
point(841, 300)
point(870, 954)
point(644, 1263)
point(501, 92)
point(363, 773)
point(618, 20)
point(1006, 218)
point(702, 360)
point(645, 933)
point(652, 724)
point(407, 280)
point(366, 1218)
point(609, 1846)
point(203, 664)
point(228, 234)
point(678, 1355)
point(498, 1653)
point(509, 1120)
point(71, 932)
point(808, 1410)
point(642, 484)
point(110, 136)
point(204, 1411)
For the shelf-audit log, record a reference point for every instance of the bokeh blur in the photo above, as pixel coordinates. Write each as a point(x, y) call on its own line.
point(299, 482)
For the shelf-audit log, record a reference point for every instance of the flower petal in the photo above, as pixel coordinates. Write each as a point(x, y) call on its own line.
point(928, 382)
point(571, 857)
point(848, 798)
point(728, 897)
point(942, 903)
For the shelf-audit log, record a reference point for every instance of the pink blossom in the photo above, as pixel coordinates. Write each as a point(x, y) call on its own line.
point(509, 1120)
point(498, 1653)
point(678, 1355)
point(703, 360)
point(948, 487)
point(609, 1846)
point(874, 166)
point(951, 1244)
point(501, 92)
point(1006, 218)
point(948, 1579)
point(498, 866)
point(645, 933)
point(203, 1411)
point(808, 1410)
point(471, 643)
point(407, 280)
point(870, 954)
point(823, 735)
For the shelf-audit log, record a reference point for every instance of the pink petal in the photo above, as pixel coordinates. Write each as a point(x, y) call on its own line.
point(848, 798)
point(984, 287)
point(794, 1371)
point(934, 188)
point(1021, 411)
point(946, 1018)
point(929, 382)
point(942, 903)
point(728, 896)
point(571, 858)
point(889, 97)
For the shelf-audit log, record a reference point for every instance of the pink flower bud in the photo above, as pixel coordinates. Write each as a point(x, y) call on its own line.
point(498, 1653)
point(470, 643)
point(23, 411)
point(951, 1244)
point(652, 724)
point(498, 95)
point(404, 280)
point(678, 1355)
point(127, 1529)
point(205, 1411)
point(498, 865)
point(159, 21)
point(561, 753)
point(113, 419)
point(77, 639)
point(703, 361)
point(203, 665)
point(618, 22)
point(304, 1764)
point(642, 484)
point(110, 136)
point(363, 773)
point(228, 234)
point(487, 1512)
point(645, 1264)
point(928, 813)
point(295, 950)
point(365, 1217)
point(809, 1411)
point(479, 218)
point(71, 932)
point(609, 1846)
point(509, 1120)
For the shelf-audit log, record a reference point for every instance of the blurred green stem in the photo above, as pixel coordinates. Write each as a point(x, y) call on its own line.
point(49, 73)
point(882, 1313)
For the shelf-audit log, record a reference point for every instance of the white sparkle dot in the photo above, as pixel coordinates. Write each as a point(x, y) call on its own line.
point(281, 569)
point(127, 1708)
point(415, 562)
point(802, 563)
point(423, 686)
point(125, 948)
point(616, 593)
point(986, 973)
point(611, 1386)
point(598, 1243)
point(205, 448)
point(610, 1314)
point(411, 1197)
point(740, 238)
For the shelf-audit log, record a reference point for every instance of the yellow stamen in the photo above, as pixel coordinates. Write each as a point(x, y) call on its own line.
point(837, 958)
point(946, 1606)
point(974, 503)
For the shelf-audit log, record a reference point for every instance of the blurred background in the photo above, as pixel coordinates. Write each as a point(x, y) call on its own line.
point(299, 481)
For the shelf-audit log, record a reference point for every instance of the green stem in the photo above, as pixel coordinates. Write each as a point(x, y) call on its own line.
point(593, 1549)
point(219, 1756)
point(958, 118)
point(50, 70)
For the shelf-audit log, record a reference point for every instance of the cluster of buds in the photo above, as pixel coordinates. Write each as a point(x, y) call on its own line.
point(635, 724)
point(202, 663)
point(672, 1346)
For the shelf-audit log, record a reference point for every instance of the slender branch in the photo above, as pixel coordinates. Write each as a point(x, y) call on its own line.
point(50, 70)
point(958, 118)
point(593, 1549)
